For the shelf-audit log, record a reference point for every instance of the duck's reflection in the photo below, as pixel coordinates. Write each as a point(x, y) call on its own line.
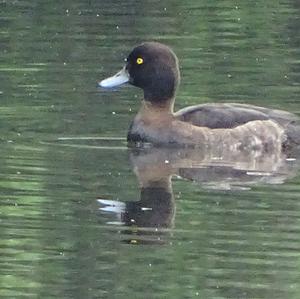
point(149, 218)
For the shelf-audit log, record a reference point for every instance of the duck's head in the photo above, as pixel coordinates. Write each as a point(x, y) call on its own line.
point(151, 66)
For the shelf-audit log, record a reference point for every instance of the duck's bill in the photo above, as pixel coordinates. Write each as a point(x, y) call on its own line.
point(118, 79)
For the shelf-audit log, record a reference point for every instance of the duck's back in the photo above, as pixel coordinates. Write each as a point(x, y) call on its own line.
point(231, 115)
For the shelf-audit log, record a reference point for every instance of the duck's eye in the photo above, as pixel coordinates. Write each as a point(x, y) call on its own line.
point(139, 60)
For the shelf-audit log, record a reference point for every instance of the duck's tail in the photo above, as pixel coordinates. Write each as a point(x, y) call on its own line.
point(293, 133)
point(290, 122)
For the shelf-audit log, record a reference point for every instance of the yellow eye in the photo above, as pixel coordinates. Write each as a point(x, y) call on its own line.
point(139, 60)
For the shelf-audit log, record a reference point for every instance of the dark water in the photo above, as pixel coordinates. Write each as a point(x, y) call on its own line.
point(83, 217)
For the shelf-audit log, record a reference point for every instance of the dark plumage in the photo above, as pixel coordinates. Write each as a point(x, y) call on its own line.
point(154, 68)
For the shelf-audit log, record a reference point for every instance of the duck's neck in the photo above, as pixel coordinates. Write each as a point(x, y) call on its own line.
point(165, 107)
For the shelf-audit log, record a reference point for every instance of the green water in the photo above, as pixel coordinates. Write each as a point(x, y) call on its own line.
point(219, 229)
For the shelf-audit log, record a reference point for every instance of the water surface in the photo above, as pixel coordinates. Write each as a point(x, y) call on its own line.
point(82, 215)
